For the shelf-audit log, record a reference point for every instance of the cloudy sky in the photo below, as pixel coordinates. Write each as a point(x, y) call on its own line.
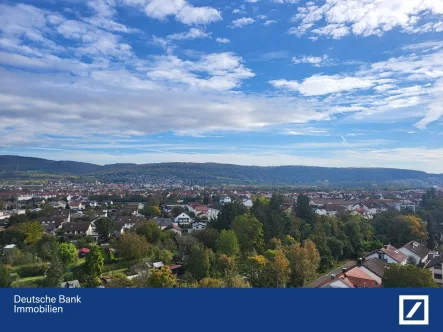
point(253, 82)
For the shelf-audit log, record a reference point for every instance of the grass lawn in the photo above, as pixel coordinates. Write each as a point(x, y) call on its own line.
point(28, 281)
point(109, 273)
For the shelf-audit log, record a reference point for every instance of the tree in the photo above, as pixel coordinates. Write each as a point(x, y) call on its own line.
point(119, 280)
point(208, 237)
point(31, 231)
point(198, 262)
point(211, 283)
point(227, 243)
point(161, 278)
point(277, 270)
point(177, 210)
point(5, 279)
point(150, 230)
point(304, 262)
point(151, 211)
point(105, 226)
point(302, 208)
point(411, 260)
point(54, 275)
point(67, 253)
point(407, 276)
point(228, 213)
point(131, 247)
point(255, 267)
point(249, 233)
point(408, 228)
point(47, 247)
point(236, 281)
point(93, 267)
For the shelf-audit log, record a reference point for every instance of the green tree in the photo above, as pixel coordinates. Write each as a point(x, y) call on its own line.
point(5, 279)
point(407, 276)
point(227, 215)
point(54, 275)
point(151, 211)
point(31, 231)
point(199, 262)
point(67, 253)
point(150, 230)
point(227, 243)
point(302, 208)
point(93, 267)
point(249, 233)
point(105, 226)
point(161, 278)
point(131, 247)
point(208, 237)
point(47, 247)
point(411, 260)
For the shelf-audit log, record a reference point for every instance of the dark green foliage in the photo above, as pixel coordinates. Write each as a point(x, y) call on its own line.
point(31, 270)
point(227, 215)
point(5, 279)
point(105, 226)
point(407, 276)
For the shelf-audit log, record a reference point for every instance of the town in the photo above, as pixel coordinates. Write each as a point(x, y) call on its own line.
point(93, 234)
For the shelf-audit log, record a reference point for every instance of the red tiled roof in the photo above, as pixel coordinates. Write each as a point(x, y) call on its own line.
point(360, 279)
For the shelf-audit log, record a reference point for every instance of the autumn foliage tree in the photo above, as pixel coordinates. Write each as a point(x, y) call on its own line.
point(304, 262)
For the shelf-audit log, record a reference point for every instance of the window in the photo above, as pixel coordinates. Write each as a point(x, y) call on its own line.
point(438, 276)
point(437, 266)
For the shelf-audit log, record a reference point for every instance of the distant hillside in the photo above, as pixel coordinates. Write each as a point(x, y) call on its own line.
point(26, 164)
point(223, 174)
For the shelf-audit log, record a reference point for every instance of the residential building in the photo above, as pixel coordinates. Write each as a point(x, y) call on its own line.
point(389, 254)
point(416, 250)
point(435, 265)
point(77, 228)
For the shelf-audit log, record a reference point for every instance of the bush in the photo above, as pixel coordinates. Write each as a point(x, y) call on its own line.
point(32, 270)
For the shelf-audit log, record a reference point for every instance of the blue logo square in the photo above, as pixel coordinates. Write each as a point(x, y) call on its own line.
point(413, 310)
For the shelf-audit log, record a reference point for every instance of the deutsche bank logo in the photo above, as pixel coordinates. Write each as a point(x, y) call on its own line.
point(414, 310)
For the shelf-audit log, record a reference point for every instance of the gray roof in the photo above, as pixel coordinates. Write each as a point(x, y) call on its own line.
point(164, 222)
point(376, 266)
point(434, 261)
point(418, 249)
point(70, 284)
point(78, 226)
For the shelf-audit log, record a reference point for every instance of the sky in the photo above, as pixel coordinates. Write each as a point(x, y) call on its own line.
point(343, 83)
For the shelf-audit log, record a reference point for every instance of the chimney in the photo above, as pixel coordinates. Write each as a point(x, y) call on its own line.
point(359, 261)
point(385, 246)
point(343, 270)
point(332, 276)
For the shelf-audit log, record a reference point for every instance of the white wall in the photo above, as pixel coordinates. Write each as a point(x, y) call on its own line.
point(371, 274)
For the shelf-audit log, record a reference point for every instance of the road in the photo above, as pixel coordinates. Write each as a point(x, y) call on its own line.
point(328, 275)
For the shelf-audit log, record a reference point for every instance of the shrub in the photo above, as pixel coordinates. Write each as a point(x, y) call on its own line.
point(32, 270)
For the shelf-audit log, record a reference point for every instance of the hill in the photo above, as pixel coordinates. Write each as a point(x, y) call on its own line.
point(220, 174)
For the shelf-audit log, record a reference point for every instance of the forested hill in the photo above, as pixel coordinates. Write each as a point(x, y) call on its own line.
point(219, 174)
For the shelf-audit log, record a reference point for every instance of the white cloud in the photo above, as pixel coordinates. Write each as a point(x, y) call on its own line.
point(238, 11)
point(316, 61)
point(242, 22)
point(193, 33)
point(269, 22)
point(320, 84)
point(262, 17)
point(368, 17)
point(222, 40)
point(180, 9)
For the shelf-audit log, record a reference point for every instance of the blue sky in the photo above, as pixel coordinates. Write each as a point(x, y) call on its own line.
point(346, 83)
